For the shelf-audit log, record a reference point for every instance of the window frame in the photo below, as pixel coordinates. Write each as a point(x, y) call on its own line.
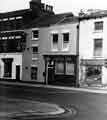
point(65, 42)
point(98, 25)
point(33, 78)
point(54, 43)
point(33, 51)
point(68, 73)
point(60, 73)
point(35, 38)
point(101, 48)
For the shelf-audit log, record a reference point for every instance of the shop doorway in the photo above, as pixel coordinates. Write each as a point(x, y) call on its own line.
point(18, 72)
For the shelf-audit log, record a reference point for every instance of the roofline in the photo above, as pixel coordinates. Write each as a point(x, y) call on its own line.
point(87, 17)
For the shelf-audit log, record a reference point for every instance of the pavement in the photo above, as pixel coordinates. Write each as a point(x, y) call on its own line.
point(95, 89)
point(13, 108)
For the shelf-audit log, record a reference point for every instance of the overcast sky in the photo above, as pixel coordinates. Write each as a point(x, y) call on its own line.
point(59, 5)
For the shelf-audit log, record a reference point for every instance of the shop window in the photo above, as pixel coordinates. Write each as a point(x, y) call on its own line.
point(55, 41)
point(93, 73)
point(59, 67)
point(35, 34)
point(34, 71)
point(97, 47)
point(98, 25)
point(70, 68)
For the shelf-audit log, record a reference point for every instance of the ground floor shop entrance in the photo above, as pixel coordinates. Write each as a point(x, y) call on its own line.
point(61, 70)
point(91, 72)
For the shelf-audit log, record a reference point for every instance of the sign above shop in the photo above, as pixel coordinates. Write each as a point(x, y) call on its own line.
point(93, 62)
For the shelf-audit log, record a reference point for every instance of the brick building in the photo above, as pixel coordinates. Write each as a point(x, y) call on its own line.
point(14, 39)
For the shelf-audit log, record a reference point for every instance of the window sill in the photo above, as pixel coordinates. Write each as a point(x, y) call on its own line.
point(65, 49)
point(54, 50)
point(97, 57)
point(35, 39)
point(97, 31)
point(34, 59)
point(35, 53)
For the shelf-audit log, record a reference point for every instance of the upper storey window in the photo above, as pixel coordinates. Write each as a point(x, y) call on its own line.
point(35, 34)
point(98, 25)
point(98, 47)
point(55, 41)
point(65, 41)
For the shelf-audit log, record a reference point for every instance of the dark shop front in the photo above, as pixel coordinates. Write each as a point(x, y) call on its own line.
point(60, 69)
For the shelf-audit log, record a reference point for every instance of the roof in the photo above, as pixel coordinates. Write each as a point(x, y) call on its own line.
point(48, 20)
point(14, 13)
point(98, 14)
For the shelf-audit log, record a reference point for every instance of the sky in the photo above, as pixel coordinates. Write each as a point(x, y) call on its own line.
point(60, 6)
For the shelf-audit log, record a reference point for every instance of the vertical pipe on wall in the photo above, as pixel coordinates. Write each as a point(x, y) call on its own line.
point(77, 58)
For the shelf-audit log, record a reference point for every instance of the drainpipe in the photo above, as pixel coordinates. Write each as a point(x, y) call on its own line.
point(77, 59)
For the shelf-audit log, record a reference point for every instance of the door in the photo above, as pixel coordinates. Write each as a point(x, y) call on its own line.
point(18, 72)
point(50, 75)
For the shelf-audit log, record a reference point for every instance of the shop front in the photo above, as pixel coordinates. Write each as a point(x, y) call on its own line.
point(91, 72)
point(60, 70)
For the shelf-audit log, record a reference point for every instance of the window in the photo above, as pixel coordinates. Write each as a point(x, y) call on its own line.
point(5, 19)
point(19, 17)
point(7, 67)
point(65, 40)
point(35, 34)
point(34, 71)
point(66, 37)
point(59, 67)
point(55, 40)
point(35, 49)
point(99, 25)
point(97, 47)
point(70, 68)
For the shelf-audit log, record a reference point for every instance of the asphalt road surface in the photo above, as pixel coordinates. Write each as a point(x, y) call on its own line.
point(87, 106)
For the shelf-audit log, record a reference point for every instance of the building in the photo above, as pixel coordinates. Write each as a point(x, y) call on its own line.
point(92, 48)
point(57, 47)
point(14, 39)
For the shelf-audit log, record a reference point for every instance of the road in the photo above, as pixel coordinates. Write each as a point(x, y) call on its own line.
point(88, 106)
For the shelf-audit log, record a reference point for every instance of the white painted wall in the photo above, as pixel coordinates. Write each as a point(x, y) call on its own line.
point(86, 41)
point(17, 60)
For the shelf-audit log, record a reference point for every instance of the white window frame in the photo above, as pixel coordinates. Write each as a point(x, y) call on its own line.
point(12, 18)
point(34, 29)
point(19, 17)
point(99, 30)
point(64, 32)
point(51, 34)
point(4, 38)
point(18, 37)
point(5, 19)
point(97, 56)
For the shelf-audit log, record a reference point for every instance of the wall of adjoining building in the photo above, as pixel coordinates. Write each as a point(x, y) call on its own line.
point(86, 45)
